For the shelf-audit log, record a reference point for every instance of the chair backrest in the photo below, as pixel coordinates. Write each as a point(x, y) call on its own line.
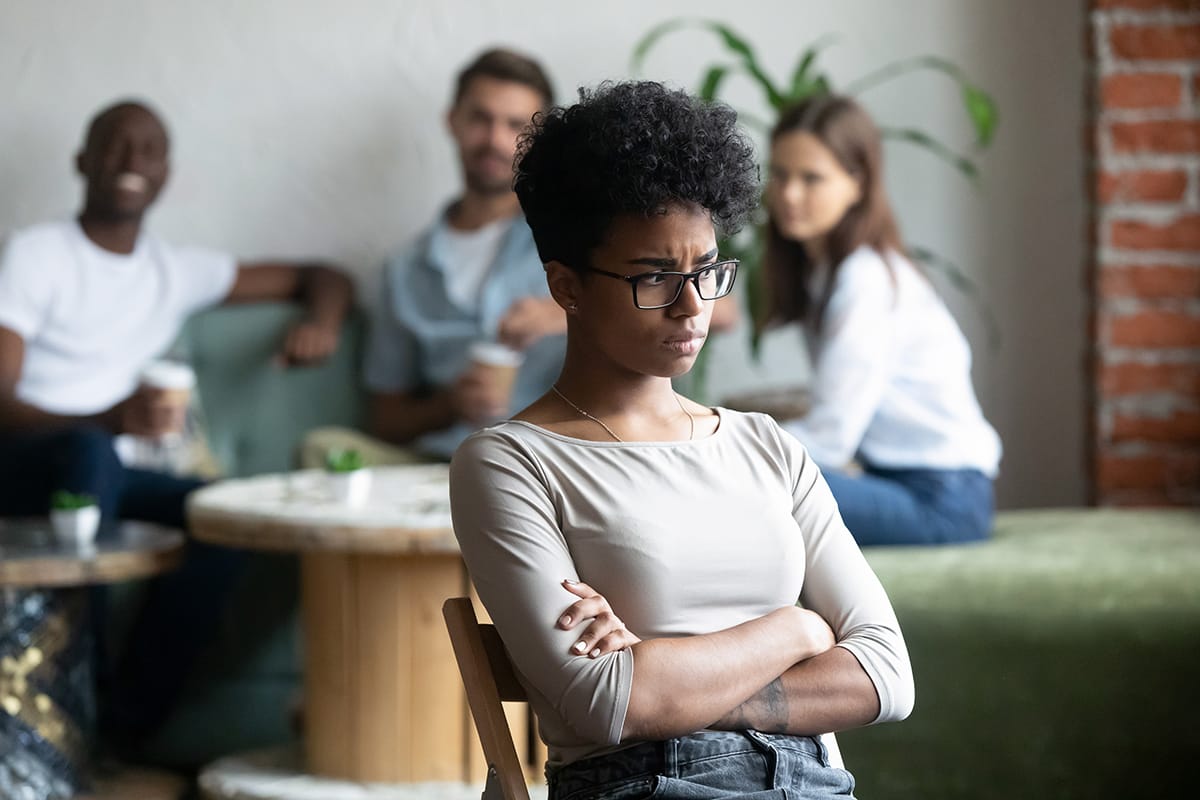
point(488, 677)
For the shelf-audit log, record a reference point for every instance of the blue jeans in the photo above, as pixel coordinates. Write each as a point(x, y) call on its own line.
point(183, 609)
point(706, 766)
point(914, 506)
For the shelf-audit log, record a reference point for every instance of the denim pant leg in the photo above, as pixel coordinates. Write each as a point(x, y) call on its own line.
point(894, 507)
point(178, 621)
point(80, 459)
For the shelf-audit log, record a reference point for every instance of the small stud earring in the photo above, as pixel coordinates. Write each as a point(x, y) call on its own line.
point(572, 308)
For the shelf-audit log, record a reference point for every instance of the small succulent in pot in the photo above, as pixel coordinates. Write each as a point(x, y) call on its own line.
point(75, 518)
point(348, 476)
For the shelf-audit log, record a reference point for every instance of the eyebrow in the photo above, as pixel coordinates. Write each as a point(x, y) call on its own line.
point(663, 263)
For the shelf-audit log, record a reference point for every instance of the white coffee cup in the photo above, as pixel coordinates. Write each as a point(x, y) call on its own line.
point(173, 377)
point(498, 363)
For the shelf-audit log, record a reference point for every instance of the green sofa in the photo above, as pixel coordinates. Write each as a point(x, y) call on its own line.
point(1056, 660)
point(256, 412)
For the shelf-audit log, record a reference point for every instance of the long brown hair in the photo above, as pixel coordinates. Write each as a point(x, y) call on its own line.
point(846, 129)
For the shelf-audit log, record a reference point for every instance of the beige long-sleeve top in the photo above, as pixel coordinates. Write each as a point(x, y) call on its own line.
point(682, 538)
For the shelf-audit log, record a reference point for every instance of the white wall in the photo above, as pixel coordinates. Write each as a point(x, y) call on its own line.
point(307, 127)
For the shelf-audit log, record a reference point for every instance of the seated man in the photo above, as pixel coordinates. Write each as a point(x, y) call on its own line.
point(473, 276)
point(84, 305)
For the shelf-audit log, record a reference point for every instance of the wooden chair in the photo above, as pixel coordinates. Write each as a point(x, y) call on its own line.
point(488, 677)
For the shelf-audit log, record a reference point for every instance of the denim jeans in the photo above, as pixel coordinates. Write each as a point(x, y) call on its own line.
point(914, 506)
point(706, 766)
point(183, 609)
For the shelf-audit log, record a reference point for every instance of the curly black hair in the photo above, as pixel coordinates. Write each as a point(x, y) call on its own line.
point(630, 148)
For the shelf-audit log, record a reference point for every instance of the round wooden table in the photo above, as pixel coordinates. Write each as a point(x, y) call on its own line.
point(383, 699)
point(47, 693)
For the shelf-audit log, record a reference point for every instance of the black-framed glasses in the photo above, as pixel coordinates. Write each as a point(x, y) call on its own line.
point(660, 289)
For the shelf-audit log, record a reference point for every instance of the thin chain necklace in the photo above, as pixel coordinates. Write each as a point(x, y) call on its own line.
point(600, 422)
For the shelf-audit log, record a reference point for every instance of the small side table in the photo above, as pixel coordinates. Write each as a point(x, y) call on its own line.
point(47, 692)
point(383, 700)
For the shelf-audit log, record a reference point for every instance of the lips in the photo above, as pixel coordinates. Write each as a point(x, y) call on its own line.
point(132, 182)
point(686, 343)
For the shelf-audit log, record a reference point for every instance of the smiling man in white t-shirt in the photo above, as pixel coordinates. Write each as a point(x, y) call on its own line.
point(84, 305)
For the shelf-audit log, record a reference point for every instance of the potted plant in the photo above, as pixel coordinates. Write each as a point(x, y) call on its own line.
point(349, 478)
point(75, 518)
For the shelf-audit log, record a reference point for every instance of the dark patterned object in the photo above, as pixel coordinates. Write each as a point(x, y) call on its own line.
point(47, 704)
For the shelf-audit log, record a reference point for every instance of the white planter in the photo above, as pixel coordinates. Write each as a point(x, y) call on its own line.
point(350, 488)
point(76, 526)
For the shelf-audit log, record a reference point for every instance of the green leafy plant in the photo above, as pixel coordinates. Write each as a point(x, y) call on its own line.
point(808, 79)
point(63, 500)
point(348, 460)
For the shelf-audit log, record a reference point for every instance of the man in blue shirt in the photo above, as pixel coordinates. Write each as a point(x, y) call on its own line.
point(473, 276)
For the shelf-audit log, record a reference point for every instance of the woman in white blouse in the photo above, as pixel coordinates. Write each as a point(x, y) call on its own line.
point(891, 386)
point(641, 555)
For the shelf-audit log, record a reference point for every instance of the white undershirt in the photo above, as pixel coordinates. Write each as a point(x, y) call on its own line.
point(91, 319)
point(469, 254)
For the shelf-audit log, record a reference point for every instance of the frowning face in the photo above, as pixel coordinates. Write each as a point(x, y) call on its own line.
point(658, 342)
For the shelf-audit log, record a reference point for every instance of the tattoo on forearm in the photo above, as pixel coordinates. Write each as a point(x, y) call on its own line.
point(766, 711)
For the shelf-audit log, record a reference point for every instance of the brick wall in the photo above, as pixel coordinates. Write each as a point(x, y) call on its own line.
point(1144, 255)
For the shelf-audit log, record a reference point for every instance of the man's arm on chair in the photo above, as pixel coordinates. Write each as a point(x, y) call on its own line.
point(326, 293)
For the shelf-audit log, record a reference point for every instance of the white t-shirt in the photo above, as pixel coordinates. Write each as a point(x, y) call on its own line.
point(892, 376)
point(91, 318)
point(470, 254)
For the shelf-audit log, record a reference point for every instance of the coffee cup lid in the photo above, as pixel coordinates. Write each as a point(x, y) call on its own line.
point(496, 354)
point(168, 375)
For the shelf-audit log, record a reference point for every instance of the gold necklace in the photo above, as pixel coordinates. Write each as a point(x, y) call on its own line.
point(600, 422)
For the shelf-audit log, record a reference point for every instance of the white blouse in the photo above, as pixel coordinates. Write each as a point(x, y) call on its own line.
point(892, 376)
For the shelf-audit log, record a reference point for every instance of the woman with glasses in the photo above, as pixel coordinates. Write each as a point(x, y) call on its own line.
point(891, 383)
point(687, 611)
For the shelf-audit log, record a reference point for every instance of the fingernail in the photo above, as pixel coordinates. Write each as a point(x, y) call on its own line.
point(565, 619)
point(579, 646)
point(595, 652)
point(568, 580)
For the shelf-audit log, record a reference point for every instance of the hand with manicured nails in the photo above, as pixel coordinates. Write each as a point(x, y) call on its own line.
point(606, 633)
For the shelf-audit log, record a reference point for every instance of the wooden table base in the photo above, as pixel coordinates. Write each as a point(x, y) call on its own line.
point(383, 702)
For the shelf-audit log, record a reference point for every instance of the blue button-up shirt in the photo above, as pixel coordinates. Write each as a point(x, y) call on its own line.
point(420, 337)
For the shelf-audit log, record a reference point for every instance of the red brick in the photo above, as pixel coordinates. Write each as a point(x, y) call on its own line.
point(1181, 233)
point(1156, 282)
point(1160, 136)
point(1141, 90)
point(1162, 470)
point(1154, 328)
point(1149, 5)
point(1157, 42)
point(1181, 427)
point(1131, 378)
point(1154, 186)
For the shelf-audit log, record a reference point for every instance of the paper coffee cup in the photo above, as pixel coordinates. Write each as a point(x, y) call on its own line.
point(500, 363)
point(174, 381)
point(171, 377)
